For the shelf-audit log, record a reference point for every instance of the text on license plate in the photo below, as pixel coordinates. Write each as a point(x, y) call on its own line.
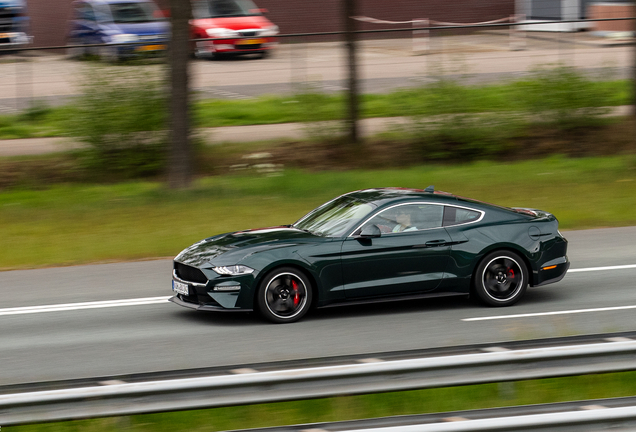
point(181, 288)
point(250, 41)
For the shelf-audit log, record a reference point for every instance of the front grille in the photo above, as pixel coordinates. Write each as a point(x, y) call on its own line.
point(248, 33)
point(7, 17)
point(189, 274)
point(249, 47)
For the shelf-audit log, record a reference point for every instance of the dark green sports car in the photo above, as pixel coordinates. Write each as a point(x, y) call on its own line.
point(374, 245)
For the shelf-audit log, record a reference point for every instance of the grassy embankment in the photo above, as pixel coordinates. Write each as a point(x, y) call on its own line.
point(42, 121)
point(81, 223)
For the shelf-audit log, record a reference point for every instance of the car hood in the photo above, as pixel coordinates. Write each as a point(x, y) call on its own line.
point(234, 23)
point(240, 244)
point(141, 29)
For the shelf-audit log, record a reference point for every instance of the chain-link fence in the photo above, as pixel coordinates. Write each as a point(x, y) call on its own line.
point(409, 56)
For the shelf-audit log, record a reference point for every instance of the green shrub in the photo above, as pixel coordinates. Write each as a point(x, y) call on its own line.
point(464, 137)
point(563, 97)
point(456, 131)
point(121, 117)
point(36, 112)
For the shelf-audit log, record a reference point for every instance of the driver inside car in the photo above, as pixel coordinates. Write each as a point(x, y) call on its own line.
point(403, 219)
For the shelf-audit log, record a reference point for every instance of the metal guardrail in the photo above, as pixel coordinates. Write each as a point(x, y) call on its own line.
point(315, 382)
point(617, 414)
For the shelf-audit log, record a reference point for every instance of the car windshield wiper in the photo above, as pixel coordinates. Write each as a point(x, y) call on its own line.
point(306, 230)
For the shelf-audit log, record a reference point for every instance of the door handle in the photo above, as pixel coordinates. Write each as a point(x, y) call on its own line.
point(434, 243)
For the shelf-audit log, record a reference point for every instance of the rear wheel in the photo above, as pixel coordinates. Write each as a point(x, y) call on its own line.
point(501, 278)
point(284, 295)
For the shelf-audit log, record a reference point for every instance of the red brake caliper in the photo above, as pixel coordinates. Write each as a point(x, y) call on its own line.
point(511, 272)
point(296, 296)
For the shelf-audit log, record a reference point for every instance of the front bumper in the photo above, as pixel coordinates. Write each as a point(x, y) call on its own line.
point(236, 46)
point(14, 40)
point(177, 299)
point(206, 290)
point(149, 48)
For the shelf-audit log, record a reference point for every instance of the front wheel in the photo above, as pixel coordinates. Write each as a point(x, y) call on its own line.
point(284, 295)
point(501, 278)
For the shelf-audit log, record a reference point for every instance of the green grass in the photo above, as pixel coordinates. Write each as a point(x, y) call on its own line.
point(360, 407)
point(74, 224)
point(445, 98)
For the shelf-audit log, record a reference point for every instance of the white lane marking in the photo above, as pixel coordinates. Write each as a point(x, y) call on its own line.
point(80, 306)
point(156, 300)
point(620, 267)
point(538, 314)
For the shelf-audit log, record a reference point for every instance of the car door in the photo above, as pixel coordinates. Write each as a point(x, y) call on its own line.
point(398, 262)
point(85, 29)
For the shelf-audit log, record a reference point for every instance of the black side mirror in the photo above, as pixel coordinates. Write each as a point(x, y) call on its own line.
point(370, 231)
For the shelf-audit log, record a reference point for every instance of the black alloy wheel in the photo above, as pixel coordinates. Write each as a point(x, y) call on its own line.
point(284, 296)
point(501, 278)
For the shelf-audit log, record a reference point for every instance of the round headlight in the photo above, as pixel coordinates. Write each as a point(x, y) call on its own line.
point(270, 31)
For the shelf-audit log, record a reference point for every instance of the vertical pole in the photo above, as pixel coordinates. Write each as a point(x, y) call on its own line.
point(517, 34)
point(634, 65)
point(349, 10)
point(420, 37)
point(180, 153)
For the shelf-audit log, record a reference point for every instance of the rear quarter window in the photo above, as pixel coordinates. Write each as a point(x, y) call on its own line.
point(456, 216)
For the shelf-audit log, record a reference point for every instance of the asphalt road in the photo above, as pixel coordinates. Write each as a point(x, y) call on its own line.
point(102, 341)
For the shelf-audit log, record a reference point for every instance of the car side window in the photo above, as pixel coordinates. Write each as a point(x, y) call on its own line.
point(408, 218)
point(456, 216)
point(85, 12)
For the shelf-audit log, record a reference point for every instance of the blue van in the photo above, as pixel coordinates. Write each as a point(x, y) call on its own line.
point(139, 24)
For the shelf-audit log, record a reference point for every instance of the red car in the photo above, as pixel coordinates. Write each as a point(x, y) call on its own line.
point(240, 23)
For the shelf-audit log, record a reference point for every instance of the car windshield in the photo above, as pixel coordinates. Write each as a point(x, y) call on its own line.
point(224, 8)
point(134, 12)
point(335, 218)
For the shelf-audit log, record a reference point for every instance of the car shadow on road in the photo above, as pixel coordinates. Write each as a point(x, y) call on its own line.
point(232, 319)
point(396, 307)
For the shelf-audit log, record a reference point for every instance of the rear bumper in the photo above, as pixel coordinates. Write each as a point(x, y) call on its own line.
point(552, 271)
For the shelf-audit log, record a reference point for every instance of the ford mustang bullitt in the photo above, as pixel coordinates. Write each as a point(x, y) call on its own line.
point(374, 245)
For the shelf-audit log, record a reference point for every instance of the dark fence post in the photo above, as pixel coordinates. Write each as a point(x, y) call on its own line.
point(180, 153)
point(350, 37)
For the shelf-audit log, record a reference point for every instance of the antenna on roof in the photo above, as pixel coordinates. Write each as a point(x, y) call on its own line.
point(430, 189)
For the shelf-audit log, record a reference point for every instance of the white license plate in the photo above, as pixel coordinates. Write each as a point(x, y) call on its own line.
point(180, 288)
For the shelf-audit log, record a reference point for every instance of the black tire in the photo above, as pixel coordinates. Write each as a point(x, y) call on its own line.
point(284, 295)
point(501, 278)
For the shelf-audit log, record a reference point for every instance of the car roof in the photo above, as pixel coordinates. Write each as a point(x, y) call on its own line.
point(383, 196)
point(117, 1)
